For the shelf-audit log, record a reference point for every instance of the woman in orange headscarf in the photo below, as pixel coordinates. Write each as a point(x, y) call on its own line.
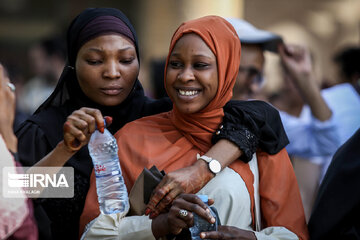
point(201, 70)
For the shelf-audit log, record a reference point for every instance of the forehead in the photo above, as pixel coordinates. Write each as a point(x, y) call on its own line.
point(193, 43)
point(252, 55)
point(109, 40)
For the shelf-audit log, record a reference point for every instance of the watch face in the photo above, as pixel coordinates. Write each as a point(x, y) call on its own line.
point(215, 166)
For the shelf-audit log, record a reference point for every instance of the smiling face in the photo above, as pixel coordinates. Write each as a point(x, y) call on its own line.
point(191, 74)
point(106, 68)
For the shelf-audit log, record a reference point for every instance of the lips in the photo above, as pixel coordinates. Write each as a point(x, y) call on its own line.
point(112, 91)
point(187, 93)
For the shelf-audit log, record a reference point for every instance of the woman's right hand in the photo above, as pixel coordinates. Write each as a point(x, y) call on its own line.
point(80, 125)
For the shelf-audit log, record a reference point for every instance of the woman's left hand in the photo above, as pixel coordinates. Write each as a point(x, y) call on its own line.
point(181, 216)
point(228, 232)
point(186, 180)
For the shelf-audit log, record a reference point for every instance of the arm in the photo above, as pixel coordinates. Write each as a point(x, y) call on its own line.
point(320, 135)
point(246, 125)
point(115, 226)
point(297, 62)
point(190, 179)
point(77, 131)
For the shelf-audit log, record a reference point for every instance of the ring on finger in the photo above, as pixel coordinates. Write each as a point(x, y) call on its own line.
point(11, 86)
point(183, 213)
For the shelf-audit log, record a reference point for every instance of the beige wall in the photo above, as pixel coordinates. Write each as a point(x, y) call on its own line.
point(325, 26)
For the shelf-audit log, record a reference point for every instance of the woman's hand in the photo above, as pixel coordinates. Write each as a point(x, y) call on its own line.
point(7, 110)
point(186, 180)
point(228, 232)
point(80, 125)
point(173, 222)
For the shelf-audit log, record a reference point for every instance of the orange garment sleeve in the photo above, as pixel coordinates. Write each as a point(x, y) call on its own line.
point(280, 198)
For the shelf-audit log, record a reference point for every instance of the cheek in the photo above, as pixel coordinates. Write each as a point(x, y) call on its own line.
point(169, 79)
point(130, 75)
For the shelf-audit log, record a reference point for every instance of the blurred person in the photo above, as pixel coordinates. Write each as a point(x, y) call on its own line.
point(307, 119)
point(17, 79)
point(101, 79)
point(344, 98)
point(46, 62)
point(337, 205)
point(16, 214)
point(200, 72)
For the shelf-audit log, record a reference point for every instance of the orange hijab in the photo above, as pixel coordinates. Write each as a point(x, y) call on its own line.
point(171, 140)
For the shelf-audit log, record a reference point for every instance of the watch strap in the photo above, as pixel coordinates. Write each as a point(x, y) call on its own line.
point(204, 157)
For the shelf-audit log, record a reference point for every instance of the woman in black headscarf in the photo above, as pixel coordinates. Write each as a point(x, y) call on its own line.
point(41, 136)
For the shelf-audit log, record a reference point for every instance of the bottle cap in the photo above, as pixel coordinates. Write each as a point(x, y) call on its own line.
point(204, 198)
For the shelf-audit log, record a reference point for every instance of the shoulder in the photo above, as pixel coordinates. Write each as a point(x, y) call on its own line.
point(343, 89)
point(145, 125)
point(256, 109)
point(45, 124)
point(250, 105)
point(155, 106)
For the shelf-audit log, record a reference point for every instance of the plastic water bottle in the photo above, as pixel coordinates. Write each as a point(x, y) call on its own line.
point(202, 225)
point(110, 185)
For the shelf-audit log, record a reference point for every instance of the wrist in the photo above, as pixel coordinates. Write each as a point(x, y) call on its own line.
point(214, 166)
point(62, 147)
point(203, 170)
point(10, 141)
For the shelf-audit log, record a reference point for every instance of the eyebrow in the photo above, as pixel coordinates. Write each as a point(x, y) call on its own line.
point(100, 50)
point(196, 55)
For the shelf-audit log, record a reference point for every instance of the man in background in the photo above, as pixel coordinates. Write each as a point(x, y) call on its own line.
point(306, 116)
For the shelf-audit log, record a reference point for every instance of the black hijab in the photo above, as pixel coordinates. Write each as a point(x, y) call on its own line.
point(68, 88)
point(68, 96)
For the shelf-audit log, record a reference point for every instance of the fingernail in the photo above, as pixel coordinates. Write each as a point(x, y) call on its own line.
point(102, 129)
point(212, 220)
point(202, 235)
point(147, 211)
point(207, 210)
point(108, 120)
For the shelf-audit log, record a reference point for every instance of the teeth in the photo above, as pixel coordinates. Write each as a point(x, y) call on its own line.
point(188, 93)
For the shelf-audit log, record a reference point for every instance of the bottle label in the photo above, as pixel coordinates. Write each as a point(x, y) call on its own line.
point(100, 168)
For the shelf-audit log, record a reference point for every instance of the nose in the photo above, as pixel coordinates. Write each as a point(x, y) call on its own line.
point(186, 74)
point(112, 70)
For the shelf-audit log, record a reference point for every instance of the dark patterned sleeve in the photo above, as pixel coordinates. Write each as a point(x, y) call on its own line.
point(251, 125)
point(32, 144)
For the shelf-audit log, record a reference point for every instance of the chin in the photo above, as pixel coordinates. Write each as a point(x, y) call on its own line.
point(188, 109)
point(112, 103)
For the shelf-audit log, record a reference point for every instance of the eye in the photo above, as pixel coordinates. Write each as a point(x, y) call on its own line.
point(93, 62)
point(175, 64)
point(127, 61)
point(201, 65)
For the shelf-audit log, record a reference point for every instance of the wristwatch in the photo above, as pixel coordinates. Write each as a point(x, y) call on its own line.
point(213, 164)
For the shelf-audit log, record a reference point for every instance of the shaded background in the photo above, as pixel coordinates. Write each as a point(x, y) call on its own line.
point(324, 25)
